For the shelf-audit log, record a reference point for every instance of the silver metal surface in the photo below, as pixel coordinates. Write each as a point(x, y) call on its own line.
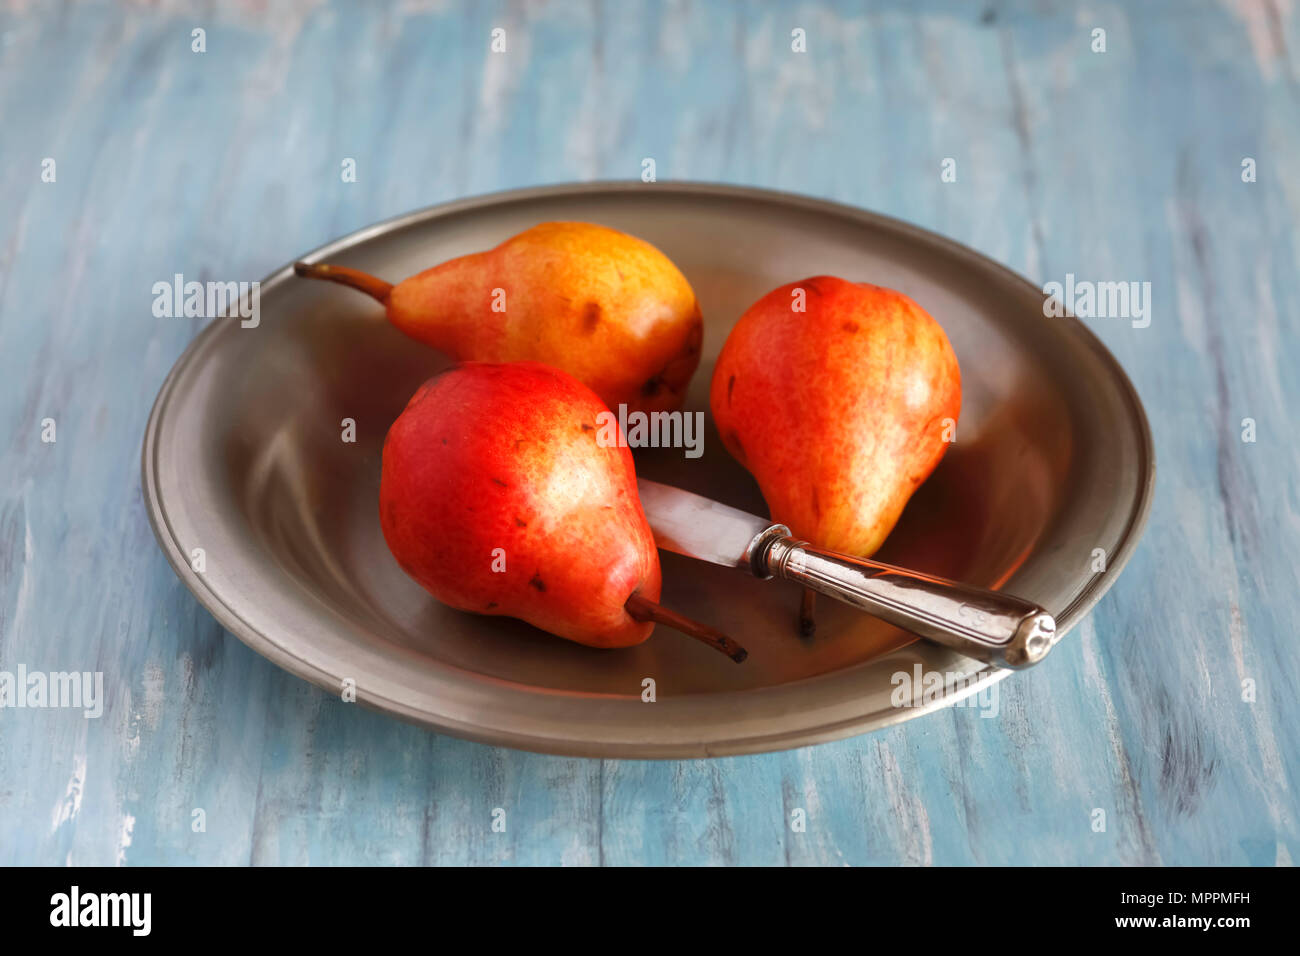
point(242, 456)
point(988, 625)
point(698, 527)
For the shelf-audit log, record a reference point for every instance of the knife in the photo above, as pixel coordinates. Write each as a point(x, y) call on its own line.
point(988, 625)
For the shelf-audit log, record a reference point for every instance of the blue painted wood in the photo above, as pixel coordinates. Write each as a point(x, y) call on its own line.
point(1117, 165)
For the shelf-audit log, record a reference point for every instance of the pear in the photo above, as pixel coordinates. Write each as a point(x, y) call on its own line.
point(606, 307)
point(498, 496)
point(839, 411)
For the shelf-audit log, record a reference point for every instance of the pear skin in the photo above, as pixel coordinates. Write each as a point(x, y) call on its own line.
point(498, 497)
point(606, 307)
point(839, 411)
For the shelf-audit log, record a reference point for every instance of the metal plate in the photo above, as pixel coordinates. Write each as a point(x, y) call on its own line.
point(243, 457)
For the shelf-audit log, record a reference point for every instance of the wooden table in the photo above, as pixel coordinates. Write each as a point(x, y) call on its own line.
point(1118, 165)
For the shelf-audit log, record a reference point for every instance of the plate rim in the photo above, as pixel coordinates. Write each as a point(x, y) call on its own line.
point(984, 676)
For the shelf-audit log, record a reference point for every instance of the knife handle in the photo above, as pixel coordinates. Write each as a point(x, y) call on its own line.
point(987, 625)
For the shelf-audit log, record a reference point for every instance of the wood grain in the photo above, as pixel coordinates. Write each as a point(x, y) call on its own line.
point(1123, 165)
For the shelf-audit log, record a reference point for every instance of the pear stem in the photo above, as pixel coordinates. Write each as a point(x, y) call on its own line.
point(808, 613)
point(352, 278)
point(642, 609)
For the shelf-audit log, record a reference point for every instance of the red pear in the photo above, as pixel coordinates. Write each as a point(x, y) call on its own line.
point(498, 497)
point(840, 410)
point(606, 307)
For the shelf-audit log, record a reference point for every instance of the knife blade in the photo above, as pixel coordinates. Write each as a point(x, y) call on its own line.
point(991, 626)
point(698, 527)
